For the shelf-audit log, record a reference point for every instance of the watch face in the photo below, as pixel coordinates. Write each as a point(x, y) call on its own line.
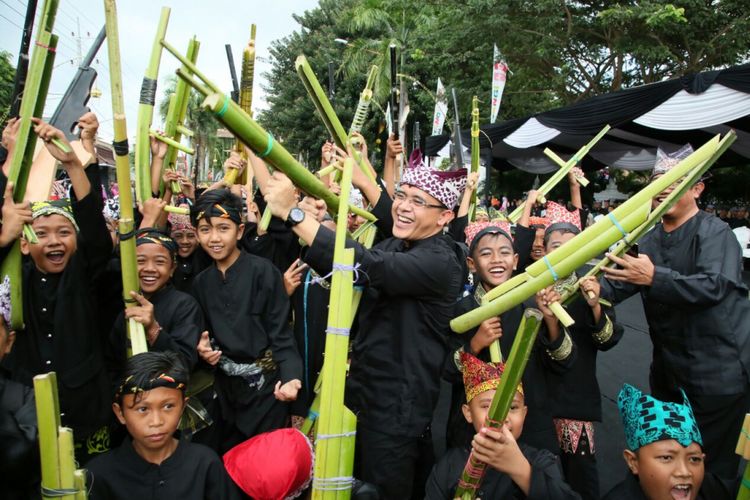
point(296, 215)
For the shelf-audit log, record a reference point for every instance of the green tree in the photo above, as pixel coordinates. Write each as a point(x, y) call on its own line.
point(7, 76)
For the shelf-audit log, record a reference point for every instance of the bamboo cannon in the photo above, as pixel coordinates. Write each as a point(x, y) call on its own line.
point(474, 152)
point(334, 445)
point(127, 228)
point(326, 111)
point(471, 477)
point(363, 106)
point(32, 105)
point(582, 180)
point(545, 188)
point(60, 479)
point(246, 103)
point(743, 450)
point(174, 126)
point(146, 113)
point(586, 245)
point(656, 214)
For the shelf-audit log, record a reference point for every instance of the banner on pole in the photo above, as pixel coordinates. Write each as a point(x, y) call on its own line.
point(441, 108)
point(499, 75)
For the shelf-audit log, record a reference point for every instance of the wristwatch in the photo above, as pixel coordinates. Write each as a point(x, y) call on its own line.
point(296, 215)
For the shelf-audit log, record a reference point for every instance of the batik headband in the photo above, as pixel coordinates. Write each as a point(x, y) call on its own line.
point(149, 235)
point(55, 207)
point(667, 161)
point(131, 386)
point(477, 230)
point(646, 420)
point(444, 186)
point(5, 303)
point(179, 222)
point(220, 211)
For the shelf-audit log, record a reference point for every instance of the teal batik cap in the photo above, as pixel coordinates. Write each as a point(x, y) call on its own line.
point(645, 419)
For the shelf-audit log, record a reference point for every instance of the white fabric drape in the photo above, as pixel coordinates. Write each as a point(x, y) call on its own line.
point(530, 134)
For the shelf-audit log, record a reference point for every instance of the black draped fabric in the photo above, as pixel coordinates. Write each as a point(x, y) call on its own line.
point(193, 471)
point(547, 481)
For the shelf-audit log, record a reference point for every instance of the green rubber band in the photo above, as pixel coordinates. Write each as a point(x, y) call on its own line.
point(224, 108)
point(269, 147)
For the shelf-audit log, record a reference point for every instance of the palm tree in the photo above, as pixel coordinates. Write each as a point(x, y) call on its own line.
point(197, 119)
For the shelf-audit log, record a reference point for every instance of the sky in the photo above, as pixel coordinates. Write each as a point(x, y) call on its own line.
point(214, 22)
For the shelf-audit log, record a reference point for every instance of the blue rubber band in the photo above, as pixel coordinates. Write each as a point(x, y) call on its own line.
point(617, 223)
point(344, 332)
point(313, 415)
point(224, 108)
point(269, 147)
point(555, 277)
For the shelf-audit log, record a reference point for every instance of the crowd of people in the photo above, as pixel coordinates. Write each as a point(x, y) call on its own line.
point(235, 318)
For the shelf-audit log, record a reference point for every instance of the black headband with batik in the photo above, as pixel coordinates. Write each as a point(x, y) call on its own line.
point(221, 211)
point(150, 235)
point(132, 385)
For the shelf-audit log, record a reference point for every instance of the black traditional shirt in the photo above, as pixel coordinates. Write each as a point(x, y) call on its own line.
point(181, 321)
point(399, 351)
point(713, 488)
point(188, 268)
point(247, 310)
point(19, 448)
point(697, 308)
point(192, 472)
point(547, 481)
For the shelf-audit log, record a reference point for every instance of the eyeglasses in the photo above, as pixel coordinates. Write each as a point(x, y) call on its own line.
point(416, 202)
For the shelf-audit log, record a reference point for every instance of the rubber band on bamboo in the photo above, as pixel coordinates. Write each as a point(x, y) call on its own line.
point(128, 235)
point(269, 147)
point(121, 147)
point(148, 91)
point(51, 49)
point(555, 277)
point(344, 332)
point(333, 436)
point(333, 483)
point(224, 107)
point(58, 492)
point(312, 415)
point(746, 483)
point(617, 224)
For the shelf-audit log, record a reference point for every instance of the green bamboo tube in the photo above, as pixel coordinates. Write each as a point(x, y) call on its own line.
point(363, 106)
point(127, 221)
point(327, 170)
point(744, 492)
point(560, 174)
point(331, 423)
point(474, 152)
point(171, 142)
point(312, 415)
point(346, 450)
point(562, 268)
point(562, 164)
point(173, 126)
point(511, 377)
point(505, 287)
point(263, 143)
point(80, 484)
point(177, 210)
point(743, 450)
point(48, 422)
point(190, 67)
point(146, 113)
point(67, 461)
point(326, 111)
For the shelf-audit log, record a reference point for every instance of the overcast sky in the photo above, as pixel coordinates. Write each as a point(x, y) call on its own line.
point(214, 22)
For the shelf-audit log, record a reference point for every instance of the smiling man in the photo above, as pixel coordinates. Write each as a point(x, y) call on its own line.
point(689, 276)
point(411, 281)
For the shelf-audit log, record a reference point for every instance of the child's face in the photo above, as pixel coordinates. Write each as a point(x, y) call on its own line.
point(537, 248)
point(558, 239)
point(667, 470)
point(57, 243)
point(155, 267)
point(475, 412)
point(153, 419)
point(493, 259)
point(187, 242)
point(219, 237)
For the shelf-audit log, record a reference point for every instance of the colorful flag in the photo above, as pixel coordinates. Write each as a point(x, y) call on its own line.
point(441, 109)
point(499, 74)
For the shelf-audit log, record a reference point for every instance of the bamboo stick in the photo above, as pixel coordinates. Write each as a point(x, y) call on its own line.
point(474, 152)
point(263, 143)
point(146, 113)
point(67, 461)
point(127, 221)
point(48, 421)
point(177, 210)
point(545, 188)
point(80, 484)
point(332, 422)
point(471, 477)
point(363, 106)
point(582, 180)
point(743, 450)
point(171, 142)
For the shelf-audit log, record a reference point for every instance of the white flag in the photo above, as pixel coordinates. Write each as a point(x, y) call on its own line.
point(499, 74)
point(441, 109)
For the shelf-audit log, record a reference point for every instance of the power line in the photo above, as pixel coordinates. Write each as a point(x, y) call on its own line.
point(11, 22)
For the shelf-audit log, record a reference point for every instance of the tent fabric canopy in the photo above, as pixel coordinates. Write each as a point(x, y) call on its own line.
point(666, 114)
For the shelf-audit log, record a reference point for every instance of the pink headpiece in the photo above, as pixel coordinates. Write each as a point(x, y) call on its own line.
point(444, 186)
point(180, 222)
point(557, 213)
point(473, 229)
